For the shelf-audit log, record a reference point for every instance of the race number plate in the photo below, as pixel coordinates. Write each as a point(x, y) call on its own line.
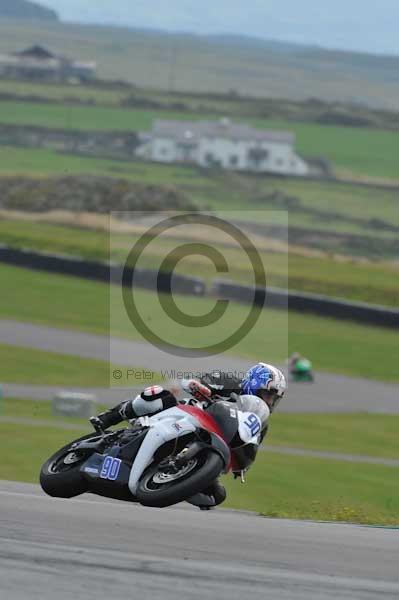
point(110, 468)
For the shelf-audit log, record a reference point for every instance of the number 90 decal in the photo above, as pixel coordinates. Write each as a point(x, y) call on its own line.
point(253, 424)
point(110, 468)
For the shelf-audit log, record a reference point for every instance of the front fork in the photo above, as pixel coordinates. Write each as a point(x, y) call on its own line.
point(162, 433)
point(158, 434)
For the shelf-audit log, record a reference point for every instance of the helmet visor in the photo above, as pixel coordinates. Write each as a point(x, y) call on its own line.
point(270, 397)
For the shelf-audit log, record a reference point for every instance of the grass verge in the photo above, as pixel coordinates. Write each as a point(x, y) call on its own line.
point(359, 434)
point(309, 488)
point(27, 366)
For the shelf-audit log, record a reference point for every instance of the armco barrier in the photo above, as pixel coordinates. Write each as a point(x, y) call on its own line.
point(241, 293)
point(53, 263)
point(162, 282)
point(310, 303)
point(342, 309)
point(66, 265)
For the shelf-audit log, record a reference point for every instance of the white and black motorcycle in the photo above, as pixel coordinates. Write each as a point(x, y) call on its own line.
point(160, 460)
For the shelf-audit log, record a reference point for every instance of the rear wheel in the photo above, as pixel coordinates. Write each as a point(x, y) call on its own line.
point(60, 476)
point(164, 484)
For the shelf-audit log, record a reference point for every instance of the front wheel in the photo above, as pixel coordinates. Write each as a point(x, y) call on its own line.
point(162, 486)
point(60, 475)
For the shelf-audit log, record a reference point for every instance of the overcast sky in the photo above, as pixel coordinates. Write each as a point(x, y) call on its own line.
point(366, 25)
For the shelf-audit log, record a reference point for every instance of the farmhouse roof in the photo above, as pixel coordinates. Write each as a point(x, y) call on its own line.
point(38, 52)
point(192, 131)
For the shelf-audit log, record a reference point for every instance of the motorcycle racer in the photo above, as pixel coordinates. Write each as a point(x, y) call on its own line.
point(258, 392)
point(300, 368)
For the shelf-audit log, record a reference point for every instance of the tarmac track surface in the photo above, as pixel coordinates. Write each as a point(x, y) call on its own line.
point(330, 393)
point(93, 548)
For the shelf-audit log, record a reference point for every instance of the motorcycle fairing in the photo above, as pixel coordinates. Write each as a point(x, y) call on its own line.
point(163, 427)
point(137, 454)
point(124, 449)
point(118, 488)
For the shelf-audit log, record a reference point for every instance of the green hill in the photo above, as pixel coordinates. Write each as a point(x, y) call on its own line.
point(23, 9)
point(215, 64)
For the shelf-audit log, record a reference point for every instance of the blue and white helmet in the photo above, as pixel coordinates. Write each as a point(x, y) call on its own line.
point(265, 377)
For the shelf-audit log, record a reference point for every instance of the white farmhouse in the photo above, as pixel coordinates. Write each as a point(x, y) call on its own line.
point(223, 144)
point(40, 64)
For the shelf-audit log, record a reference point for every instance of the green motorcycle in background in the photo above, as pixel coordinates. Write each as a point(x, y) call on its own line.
point(302, 370)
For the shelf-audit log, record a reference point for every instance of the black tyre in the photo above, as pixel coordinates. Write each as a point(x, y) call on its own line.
point(159, 487)
point(60, 476)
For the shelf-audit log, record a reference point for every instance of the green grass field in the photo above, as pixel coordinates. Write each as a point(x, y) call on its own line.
point(316, 489)
point(116, 96)
point(360, 203)
point(42, 163)
point(333, 345)
point(365, 219)
point(277, 486)
point(97, 118)
point(57, 92)
point(24, 91)
point(24, 365)
point(319, 206)
point(370, 282)
point(363, 151)
point(359, 434)
point(36, 367)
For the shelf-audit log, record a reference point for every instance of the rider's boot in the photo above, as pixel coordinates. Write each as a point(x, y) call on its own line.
point(113, 416)
point(212, 496)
